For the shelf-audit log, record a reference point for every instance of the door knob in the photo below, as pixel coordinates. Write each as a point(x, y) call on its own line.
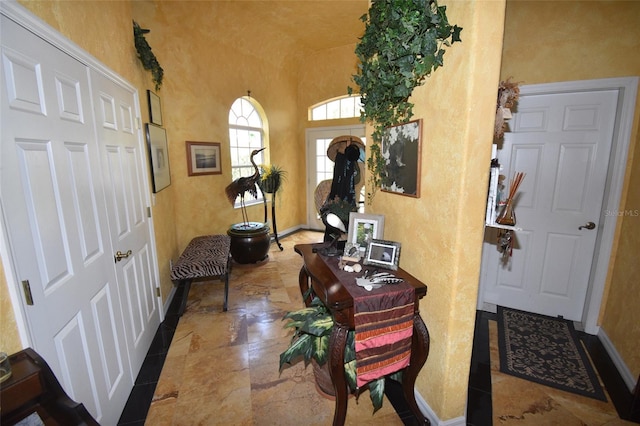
point(588, 225)
point(120, 255)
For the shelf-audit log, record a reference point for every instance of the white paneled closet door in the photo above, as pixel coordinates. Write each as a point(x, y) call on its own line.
point(124, 179)
point(66, 212)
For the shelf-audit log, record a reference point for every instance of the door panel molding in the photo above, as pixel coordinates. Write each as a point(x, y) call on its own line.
point(627, 88)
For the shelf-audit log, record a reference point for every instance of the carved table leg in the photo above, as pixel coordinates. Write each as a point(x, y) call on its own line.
point(337, 344)
point(419, 353)
point(303, 282)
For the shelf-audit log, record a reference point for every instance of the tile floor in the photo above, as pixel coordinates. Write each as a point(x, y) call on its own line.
point(210, 367)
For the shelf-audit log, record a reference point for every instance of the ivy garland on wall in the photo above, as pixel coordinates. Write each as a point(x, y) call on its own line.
point(148, 59)
point(402, 44)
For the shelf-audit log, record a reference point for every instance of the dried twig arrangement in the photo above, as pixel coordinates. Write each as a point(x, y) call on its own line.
point(508, 216)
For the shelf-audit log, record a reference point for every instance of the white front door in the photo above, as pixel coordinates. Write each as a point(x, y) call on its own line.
point(562, 142)
point(87, 317)
point(319, 166)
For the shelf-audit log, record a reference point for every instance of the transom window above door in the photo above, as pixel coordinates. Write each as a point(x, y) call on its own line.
point(347, 106)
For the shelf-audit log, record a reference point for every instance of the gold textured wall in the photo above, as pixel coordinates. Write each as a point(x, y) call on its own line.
point(441, 232)
point(580, 40)
point(206, 69)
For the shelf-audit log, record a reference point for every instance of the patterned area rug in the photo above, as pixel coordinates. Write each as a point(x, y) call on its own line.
point(545, 350)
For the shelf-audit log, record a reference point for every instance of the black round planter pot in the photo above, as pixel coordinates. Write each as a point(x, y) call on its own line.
point(249, 242)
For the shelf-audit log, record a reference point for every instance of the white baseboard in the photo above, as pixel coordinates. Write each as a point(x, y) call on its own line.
point(433, 417)
point(167, 303)
point(622, 368)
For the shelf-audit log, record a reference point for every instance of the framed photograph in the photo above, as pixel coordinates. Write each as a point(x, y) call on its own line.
point(155, 110)
point(363, 228)
point(203, 158)
point(401, 148)
point(385, 254)
point(159, 155)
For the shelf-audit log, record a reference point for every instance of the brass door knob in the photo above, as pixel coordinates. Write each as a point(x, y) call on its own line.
point(120, 255)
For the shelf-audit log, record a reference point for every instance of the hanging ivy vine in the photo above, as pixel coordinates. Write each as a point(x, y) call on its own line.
point(403, 43)
point(148, 59)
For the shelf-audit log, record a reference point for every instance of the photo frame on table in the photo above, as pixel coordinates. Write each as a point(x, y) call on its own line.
point(155, 109)
point(401, 144)
point(364, 228)
point(204, 158)
point(159, 156)
point(382, 253)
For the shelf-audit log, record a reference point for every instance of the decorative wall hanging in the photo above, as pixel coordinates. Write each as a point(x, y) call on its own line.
point(155, 109)
point(401, 150)
point(146, 56)
point(203, 158)
point(159, 155)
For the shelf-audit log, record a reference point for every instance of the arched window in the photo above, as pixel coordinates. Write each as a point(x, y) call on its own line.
point(347, 106)
point(247, 131)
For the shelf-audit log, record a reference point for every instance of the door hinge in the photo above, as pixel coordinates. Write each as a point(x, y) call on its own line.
point(157, 291)
point(27, 292)
point(149, 212)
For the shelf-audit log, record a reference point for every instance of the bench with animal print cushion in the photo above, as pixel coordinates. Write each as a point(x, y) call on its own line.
point(206, 256)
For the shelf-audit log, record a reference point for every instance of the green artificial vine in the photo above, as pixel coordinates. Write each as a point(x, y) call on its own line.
point(148, 59)
point(403, 43)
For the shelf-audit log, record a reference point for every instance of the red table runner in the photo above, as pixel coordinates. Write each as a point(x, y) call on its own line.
point(383, 324)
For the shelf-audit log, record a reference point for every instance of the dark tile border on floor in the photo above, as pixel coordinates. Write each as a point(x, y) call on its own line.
point(137, 406)
point(617, 389)
point(479, 403)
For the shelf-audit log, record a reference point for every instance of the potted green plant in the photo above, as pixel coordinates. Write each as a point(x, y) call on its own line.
point(310, 341)
point(402, 44)
point(271, 178)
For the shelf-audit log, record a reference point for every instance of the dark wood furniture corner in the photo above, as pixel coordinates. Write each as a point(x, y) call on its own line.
point(336, 297)
point(33, 388)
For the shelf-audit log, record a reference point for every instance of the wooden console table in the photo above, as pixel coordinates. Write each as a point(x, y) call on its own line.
point(33, 388)
point(336, 297)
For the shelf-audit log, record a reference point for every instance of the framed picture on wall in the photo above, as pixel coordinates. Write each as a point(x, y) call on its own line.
point(401, 145)
point(155, 109)
point(159, 155)
point(203, 158)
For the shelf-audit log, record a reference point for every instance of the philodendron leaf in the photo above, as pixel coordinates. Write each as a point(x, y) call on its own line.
point(350, 373)
point(298, 347)
point(318, 325)
point(321, 349)
point(376, 391)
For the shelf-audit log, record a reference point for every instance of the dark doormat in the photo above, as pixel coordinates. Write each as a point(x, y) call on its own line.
point(545, 350)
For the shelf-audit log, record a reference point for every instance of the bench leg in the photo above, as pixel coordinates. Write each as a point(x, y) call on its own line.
point(185, 296)
point(226, 284)
point(226, 292)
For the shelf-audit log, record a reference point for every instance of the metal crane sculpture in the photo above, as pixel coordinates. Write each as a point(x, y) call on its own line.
point(243, 185)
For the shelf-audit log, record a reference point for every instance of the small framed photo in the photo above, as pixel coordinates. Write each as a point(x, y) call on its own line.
point(159, 155)
point(385, 254)
point(203, 158)
point(401, 146)
point(155, 109)
point(363, 228)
